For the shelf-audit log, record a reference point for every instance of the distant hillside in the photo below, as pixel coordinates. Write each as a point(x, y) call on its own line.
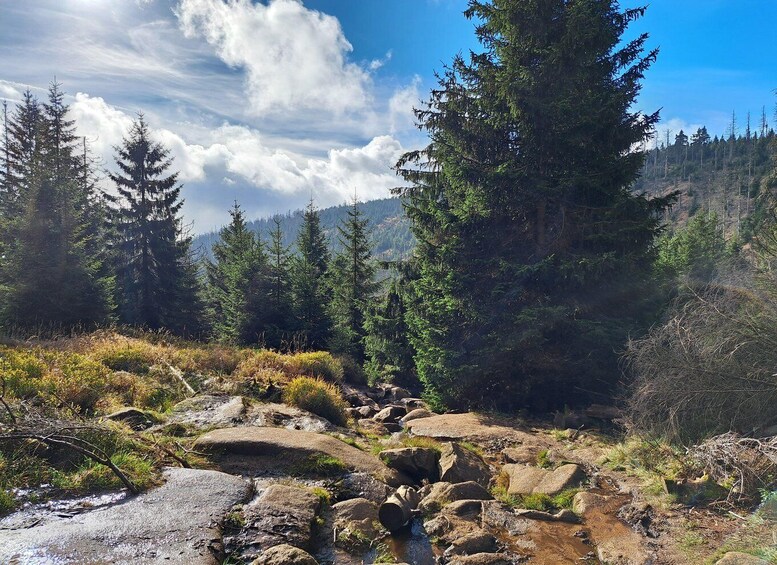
point(390, 228)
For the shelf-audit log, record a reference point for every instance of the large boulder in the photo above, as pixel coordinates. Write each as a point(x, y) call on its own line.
point(285, 554)
point(355, 522)
point(416, 462)
point(134, 417)
point(205, 411)
point(175, 523)
point(525, 479)
point(416, 414)
point(474, 427)
point(281, 514)
point(248, 450)
point(290, 417)
point(475, 542)
point(459, 465)
point(390, 414)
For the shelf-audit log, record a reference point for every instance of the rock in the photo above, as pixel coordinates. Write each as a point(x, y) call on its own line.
point(481, 559)
point(476, 542)
point(135, 418)
point(355, 521)
point(389, 415)
point(466, 509)
point(525, 479)
point(371, 426)
point(496, 515)
point(415, 415)
point(413, 403)
point(584, 501)
point(248, 449)
point(363, 485)
point(281, 514)
point(525, 454)
point(417, 462)
point(443, 493)
point(206, 411)
point(365, 412)
point(563, 515)
point(458, 465)
point(472, 427)
point(285, 554)
point(290, 417)
point(737, 558)
point(357, 398)
point(175, 523)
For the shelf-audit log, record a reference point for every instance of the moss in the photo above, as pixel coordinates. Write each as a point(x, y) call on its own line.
point(319, 465)
point(543, 459)
point(318, 397)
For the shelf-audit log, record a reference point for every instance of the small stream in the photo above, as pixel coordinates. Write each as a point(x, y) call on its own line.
point(34, 513)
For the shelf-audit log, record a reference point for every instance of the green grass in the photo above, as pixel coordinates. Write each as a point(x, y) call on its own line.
point(543, 459)
point(323, 495)
point(319, 465)
point(541, 502)
point(91, 476)
point(317, 396)
point(7, 502)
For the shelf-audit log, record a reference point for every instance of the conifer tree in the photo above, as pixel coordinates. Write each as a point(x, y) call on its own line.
point(237, 285)
point(309, 283)
point(533, 254)
point(279, 320)
point(157, 278)
point(353, 284)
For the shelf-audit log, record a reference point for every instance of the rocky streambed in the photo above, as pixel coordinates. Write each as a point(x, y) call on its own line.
point(288, 487)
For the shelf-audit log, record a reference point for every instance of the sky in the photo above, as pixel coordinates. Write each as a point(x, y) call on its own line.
point(272, 102)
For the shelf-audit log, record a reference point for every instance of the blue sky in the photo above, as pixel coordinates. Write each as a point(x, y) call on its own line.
point(272, 102)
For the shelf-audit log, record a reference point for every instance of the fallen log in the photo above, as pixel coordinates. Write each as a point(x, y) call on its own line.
point(398, 509)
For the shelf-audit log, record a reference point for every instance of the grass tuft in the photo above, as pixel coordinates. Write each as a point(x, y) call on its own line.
point(318, 397)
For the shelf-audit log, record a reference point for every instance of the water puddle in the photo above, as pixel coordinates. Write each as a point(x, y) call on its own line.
point(33, 513)
point(412, 545)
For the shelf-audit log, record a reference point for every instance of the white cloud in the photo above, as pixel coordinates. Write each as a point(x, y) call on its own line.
point(401, 105)
point(672, 126)
point(294, 58)
point(375, 64)
point(8, 92)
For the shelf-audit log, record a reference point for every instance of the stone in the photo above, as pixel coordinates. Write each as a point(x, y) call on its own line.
point(285, 554)
point(248, 449)
point(474, 427)
point(475, 542)
point(175, 523)
point(413, 403)
point(440, 494)
point(481, 559)
point(466, 509)
point(497, 516)
point(355, 519)
point(525, 454)
point(134, 417)
point(417, 462)
point(205, 411)
point(563, 515)
point(526, 479)
point(371, 426)
point(737, 558)
point(415, 415)
point(458, 465)
point(363, 485)
point(281, 514)
point(278, 415)
point(365, 411)
point(389, 415)
point(584, 501)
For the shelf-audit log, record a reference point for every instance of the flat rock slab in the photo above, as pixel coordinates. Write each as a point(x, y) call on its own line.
point(207, 410)
point(535, 480)
point(470, 426)
point(175, 523)
point(255, 450)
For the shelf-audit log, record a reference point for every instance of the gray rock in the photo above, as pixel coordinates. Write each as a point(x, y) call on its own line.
point(365, 411)
point(458, 465)
point(389, 415)
point(417, 462)
point(175, 523)
point(290, 417)
point(466, 509)
point(206, 410)
point(134, 417)
point(564, 515)
point(355, 521)
point(525, 479)
point(285, 554)
point(476, 542)
point(416, 414)
point(440, 494)
point(496, 515)
point(363, 485)
point(526, 454)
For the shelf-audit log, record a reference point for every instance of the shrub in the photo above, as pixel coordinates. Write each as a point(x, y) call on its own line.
point(76, 380)
point(213, 359)
point(7, 502)
point(22, 371)
point(133, 356)
point(353, 372)
point(317, 396)
point(315, 364)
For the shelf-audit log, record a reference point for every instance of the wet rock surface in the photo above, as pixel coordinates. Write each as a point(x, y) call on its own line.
point(175, 523)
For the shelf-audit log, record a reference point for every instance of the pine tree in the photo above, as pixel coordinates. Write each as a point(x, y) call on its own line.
point(157, 279)
point(310, 289)
point(353, 285)
point(531, 247)
point(279, 321)
point(237, 283)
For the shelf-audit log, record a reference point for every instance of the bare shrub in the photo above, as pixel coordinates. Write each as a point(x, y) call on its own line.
point(711, 368)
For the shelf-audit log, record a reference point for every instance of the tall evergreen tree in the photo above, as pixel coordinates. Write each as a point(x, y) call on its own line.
point(310, 289)
point(279, 319)
point(533, 253)
point(353, 284)
point(50, 275)
point(157, 277)
point(237, 283)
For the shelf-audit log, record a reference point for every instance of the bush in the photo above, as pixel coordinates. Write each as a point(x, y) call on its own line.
point(126, 355)
point(315, 364)
point(76, 380)
point(22, 372)
point(318, 397)
point(710, 368)
point(214, 359)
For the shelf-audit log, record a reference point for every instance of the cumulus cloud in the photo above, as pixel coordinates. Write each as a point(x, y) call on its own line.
point(672, 127)
point(8, 92)
point(294, 57)
point(401, 105)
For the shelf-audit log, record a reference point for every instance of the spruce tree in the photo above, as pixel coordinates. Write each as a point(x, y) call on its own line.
point(157, 278)
point(533, 254)
point(279, 320)
point(353, 284)
point(310, 289)
point(237, 283)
